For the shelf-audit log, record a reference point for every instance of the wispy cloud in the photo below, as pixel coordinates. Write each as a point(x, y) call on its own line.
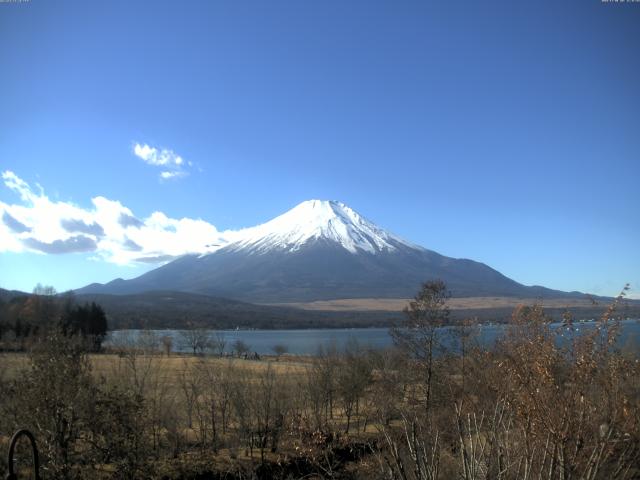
point(154, 156)
point(108, 229)
point(173, 165)
point(166, 175)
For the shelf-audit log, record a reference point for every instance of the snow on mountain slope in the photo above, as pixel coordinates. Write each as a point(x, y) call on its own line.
point(318, 250)
point(317, 220)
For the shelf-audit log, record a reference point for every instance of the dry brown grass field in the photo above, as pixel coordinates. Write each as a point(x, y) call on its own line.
point(107, 365)
point(175, 392)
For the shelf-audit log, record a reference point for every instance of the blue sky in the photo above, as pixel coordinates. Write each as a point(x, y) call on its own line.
point(506, 132)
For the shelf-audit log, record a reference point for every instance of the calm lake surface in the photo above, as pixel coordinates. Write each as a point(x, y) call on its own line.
point(307, 342)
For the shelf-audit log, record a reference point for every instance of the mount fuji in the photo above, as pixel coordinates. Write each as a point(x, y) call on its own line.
point(319, 250)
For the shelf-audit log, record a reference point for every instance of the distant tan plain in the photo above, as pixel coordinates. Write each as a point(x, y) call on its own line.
point(397, 304)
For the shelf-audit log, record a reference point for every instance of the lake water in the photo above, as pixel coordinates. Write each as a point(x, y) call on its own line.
point(307, 342)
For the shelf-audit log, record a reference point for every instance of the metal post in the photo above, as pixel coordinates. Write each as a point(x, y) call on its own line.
point(34, 449)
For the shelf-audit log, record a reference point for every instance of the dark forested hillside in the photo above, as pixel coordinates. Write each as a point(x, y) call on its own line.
point(185, 310)
point(158, 310)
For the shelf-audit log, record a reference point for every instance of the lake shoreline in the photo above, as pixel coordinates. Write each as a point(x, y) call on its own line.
point(308, 341)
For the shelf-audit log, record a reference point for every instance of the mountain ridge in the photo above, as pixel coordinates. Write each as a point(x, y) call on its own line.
point(320, 250)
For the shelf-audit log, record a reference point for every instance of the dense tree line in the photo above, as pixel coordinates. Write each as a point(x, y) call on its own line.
point(25, 318)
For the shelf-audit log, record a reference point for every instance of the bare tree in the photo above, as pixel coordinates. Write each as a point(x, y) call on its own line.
point(196, 339)
point(419, 334)
point(190, 387)
point(387, 392)
point(137, 363)
point(241, 348)
point(118, 434)
point(412, 453)
point(148, 342)
point(279, 349)
point(353, 377)
point(324, 374)
point(218, 343)
point(55, 397)
point(167, 344)
point(268, 406)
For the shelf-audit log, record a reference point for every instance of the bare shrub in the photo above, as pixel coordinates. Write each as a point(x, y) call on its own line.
point(197, 340)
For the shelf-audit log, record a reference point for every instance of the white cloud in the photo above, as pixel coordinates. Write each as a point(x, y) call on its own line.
point(173, 164)
point(166, 175)
point(108, 229)
point(18, 185)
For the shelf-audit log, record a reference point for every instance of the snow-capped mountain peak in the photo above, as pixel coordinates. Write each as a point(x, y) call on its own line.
point(318, 250)
point(317, 220)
